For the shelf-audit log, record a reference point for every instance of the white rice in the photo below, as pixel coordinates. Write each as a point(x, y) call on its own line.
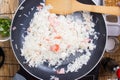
point(45, 26)
point(21, 8)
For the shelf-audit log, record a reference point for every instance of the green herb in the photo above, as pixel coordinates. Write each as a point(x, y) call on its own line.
point(5, 27)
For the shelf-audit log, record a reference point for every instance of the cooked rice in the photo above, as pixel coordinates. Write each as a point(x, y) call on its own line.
point(74, 33)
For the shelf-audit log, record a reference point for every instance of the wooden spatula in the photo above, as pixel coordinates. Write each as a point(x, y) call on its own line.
point(69, 6)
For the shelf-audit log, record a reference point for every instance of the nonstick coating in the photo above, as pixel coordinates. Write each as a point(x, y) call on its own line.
point(21, 22)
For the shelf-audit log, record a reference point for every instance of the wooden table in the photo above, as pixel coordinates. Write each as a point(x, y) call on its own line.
point(11, 66)
point(8, 70)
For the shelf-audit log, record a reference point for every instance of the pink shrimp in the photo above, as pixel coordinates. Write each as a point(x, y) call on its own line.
point(55, 48)
point(61, 71)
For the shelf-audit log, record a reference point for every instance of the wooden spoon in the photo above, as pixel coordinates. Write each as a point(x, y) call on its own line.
point(69, 6)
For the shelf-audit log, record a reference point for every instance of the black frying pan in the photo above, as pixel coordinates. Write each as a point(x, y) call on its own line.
point(21, 23)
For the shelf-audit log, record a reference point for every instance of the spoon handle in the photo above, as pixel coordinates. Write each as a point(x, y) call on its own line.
point(112, 10)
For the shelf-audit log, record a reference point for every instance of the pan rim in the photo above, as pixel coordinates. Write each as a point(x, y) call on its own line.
point(37, 76)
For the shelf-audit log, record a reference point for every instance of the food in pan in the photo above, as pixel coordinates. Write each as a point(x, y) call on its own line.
point(55, 38)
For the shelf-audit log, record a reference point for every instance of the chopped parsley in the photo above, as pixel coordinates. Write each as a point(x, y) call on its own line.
point(5, 27)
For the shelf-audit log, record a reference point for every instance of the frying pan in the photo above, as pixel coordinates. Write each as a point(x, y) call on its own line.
point(20, 24)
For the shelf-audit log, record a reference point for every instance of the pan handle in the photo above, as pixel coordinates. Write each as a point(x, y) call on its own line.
point(2, 55)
